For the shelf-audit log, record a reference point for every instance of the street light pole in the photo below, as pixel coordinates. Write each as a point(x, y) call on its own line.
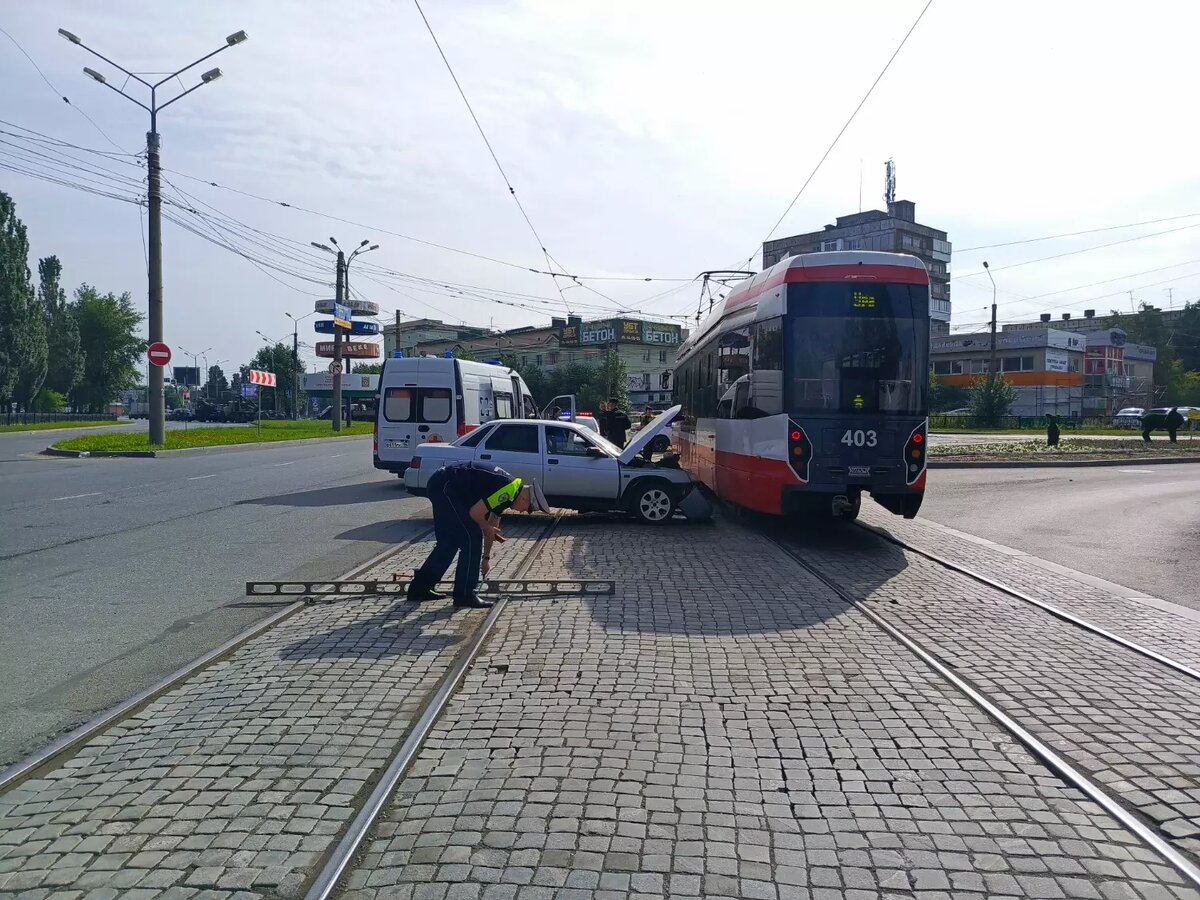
point(154, 202)
point(296, 361)
point(992, 372)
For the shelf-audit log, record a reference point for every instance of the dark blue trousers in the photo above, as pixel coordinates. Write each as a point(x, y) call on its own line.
point(456, 532)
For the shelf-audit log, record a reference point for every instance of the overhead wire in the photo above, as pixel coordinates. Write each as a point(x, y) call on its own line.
point(842, 131)
point(504, 175)
point(1071, 234)
point(57, 92)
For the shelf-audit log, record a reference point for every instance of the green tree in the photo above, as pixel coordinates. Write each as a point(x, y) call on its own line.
point(16, 300)
point(589, 384)
point(278, 358)
point(217, 383)
point(991, 399)
point(112, 350)
point(49, 400)
point(368, 369)
point(1189, 389)
point(64, 365)
point(944, 396)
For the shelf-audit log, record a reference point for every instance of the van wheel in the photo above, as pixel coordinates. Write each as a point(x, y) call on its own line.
point(652, 503)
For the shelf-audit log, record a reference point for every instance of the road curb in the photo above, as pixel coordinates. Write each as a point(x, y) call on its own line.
point(195, 451)
point(1058, 464)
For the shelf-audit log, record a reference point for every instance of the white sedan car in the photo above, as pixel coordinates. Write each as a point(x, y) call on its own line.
point(576, 468)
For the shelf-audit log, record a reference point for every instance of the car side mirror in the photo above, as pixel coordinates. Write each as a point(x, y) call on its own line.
point(596, 453)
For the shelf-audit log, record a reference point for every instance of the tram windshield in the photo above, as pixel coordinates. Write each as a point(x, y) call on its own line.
point(855, 348)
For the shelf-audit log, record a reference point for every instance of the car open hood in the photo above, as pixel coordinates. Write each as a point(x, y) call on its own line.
point(642, 439)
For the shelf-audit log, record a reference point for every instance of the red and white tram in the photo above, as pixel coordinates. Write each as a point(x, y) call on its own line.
point(808, 385)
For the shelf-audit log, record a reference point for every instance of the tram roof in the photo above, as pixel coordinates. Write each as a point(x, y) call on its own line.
point(833, 265)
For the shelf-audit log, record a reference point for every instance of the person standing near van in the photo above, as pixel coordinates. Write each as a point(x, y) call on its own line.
point(468, 500)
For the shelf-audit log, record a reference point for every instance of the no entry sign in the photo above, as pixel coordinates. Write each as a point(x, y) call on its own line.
point(159, 353)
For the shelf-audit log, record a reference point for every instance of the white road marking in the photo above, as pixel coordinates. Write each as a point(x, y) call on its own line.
point(336, 455)
point(1138, 471)
point(277, 465)
point(198, 477)
point(77, 496)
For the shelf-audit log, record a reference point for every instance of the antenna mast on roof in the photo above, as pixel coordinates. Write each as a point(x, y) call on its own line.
point(889, 193)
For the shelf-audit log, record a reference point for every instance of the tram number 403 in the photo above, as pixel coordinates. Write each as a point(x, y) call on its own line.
point(859, 438)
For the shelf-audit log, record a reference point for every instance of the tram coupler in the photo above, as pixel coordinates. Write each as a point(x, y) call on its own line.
point(842, 505)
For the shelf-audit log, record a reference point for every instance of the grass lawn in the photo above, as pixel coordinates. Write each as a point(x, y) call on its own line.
point(50, 426)
point(1120, 432)
point(178, 439)
point(1069, 448)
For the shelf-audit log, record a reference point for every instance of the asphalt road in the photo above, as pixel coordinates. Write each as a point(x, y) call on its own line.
point(115, 572)
point(1136, 526)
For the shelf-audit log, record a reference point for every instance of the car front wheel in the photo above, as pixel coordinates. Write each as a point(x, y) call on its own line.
point(652, 503)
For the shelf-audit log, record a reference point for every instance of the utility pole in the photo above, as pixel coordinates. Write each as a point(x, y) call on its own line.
point(342, 296)
point(337, 344)
point(154, 204)
point(992, 370)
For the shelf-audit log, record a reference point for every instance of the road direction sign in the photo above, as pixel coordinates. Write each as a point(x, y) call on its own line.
point(158, 353)
point(358, 326)
point(248, 389)
point(358, 307)
point(350, 349)
point(335, 368)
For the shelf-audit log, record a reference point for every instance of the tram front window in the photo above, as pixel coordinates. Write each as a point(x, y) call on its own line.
point(859, 361)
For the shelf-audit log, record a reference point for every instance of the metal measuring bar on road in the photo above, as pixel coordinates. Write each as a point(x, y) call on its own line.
point(514, 587)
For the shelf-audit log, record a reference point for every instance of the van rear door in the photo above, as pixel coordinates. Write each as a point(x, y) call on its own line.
point(417, 405)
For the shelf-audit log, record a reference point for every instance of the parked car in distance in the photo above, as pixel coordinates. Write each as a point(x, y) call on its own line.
point(1129, 417)
point(576, 468)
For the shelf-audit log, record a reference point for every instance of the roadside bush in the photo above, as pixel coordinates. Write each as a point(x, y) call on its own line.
point(991, 399)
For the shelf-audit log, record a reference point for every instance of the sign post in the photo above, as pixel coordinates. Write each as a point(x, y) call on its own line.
point(264, 379)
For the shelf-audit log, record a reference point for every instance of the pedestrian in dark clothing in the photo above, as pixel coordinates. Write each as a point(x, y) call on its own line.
point(1052, 431)
point(1151, 421)
point(468, 500)
point(618, 423)
point(1173, 422)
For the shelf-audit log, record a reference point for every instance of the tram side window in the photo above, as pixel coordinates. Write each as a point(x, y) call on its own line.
point(766, 383)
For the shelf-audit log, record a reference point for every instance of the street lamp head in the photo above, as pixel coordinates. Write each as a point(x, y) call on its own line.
point(334, 242)
point(93, 74)
point(364, 242)
point(70, 37)
point(372, 247)
point(210, 75)
point(321, 246)
point(985, 265)
point(236, 38)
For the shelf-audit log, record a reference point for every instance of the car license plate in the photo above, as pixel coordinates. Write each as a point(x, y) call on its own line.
point(400, 444)
point(860, 471)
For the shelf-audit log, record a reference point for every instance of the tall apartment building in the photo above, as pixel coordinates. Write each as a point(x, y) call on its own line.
point(895, 231)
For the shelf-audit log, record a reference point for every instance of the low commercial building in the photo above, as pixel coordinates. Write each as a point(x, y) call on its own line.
point(646, 348)
point(1116, 373)
point(1044, 365)
point(407, 336)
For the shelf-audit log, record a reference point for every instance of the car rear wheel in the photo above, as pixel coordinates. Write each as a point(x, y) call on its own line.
point(652, 503)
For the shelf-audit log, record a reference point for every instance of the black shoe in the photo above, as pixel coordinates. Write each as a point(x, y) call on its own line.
point(419, 595)
point(472, 602)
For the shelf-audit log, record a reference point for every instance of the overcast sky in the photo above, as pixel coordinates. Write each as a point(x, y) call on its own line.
point(645, 139)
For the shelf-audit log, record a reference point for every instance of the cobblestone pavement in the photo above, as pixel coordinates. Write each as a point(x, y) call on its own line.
point(725, 726)
point(237, 782)
point(1173, 631)
point(1131, 722)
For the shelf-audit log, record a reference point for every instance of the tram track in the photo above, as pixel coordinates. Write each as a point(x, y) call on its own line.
point(1049, 608)
point(325, 878)
point(64, 747)
point(1056, 760)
